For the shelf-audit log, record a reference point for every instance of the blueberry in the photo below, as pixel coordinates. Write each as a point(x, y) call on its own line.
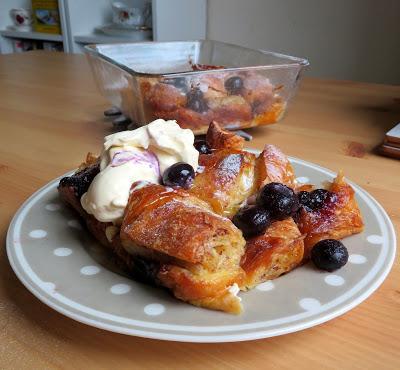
point(81, 180)
point(316, 199)
point(279, 200)
point(252, 220)
point(202, 147)
point(195, 93)
point(144, 270)
point(304, 197)
point(179, 174)
point(196, 102)
point(329, 255)
point(234, 85)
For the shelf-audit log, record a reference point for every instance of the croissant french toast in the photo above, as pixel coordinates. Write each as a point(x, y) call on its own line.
point(274, 166)
point(218, 138)
point(183, 236)
point(339, 216)
point(199, 252)
point(240, 100)
point(226, 180)
point(279, 250)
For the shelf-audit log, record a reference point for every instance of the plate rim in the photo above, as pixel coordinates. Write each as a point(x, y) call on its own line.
point(373, 285)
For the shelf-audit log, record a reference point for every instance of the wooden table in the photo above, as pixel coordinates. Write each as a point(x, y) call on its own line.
point(51, 115)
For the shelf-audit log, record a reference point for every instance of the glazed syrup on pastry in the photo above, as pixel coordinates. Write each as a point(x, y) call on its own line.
point(321, 219)
point(155, 197)
point(259, 248)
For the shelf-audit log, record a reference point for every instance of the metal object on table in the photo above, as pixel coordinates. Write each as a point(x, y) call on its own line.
point(112, 112)
point(244, 135)
point(125, 123)
point(121, 122)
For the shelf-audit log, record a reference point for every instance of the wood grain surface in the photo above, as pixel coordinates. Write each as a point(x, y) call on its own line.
point(51, 115)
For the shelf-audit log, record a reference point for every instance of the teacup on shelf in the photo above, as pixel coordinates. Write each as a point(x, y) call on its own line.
point(130, 14)
point(21, 17)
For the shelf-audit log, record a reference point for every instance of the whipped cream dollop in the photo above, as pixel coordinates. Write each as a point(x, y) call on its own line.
point(138, 155)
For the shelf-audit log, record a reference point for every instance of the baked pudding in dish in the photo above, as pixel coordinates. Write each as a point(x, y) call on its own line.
point(204, 223)
point(233, 99)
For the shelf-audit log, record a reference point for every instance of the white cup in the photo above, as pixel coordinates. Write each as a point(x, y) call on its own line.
point(126, 16)
point(21, 17)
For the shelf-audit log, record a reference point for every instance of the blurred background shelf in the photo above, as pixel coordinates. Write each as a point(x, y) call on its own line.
point(97, 38)
point(31, 35)
point(171, 20)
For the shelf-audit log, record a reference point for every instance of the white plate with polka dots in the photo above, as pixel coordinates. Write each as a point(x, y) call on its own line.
point(63, 266)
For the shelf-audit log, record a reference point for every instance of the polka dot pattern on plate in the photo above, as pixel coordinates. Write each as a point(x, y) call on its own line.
point(264, 287)
point(302, 180)
point(119, 289)
point(154, 309)
point(310, 304)
point(38, 234)
point(62, 252)
point(357, 259)
point(90, 270)
point(375, 239)
point(75, 224)
point(52, 207)
point(334, 280)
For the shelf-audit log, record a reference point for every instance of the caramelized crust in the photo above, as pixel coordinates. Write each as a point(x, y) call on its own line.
point(215, 83)
point(226, 181)
point(257, 91)
point(178, 225)
point(274, 113)
point(338, 218)
point(273, 166)
point(228, 110)
point(202, 287)
point(280, 249)
point(165, 97)
point(217, 138)
point(199, 251)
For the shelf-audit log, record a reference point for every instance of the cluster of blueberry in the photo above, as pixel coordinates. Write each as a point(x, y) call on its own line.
point(274, 202)
point(277, 202)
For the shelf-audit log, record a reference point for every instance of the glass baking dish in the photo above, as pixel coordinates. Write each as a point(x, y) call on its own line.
point(196, 82)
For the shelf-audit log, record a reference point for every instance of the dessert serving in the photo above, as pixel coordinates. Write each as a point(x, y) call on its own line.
point(207, 219)
point(233, 99)
point(196, 82)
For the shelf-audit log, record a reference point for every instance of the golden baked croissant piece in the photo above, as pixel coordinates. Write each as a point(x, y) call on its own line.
point(199, 252)
point(273, 166)
point(226, 180)
point(218, 138)
point(339, 217)
point(279, 250)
